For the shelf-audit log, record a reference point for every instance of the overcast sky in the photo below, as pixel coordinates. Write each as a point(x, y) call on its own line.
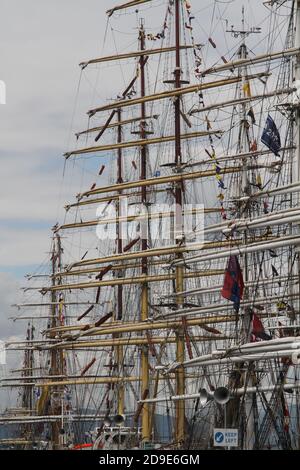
point(41, 45)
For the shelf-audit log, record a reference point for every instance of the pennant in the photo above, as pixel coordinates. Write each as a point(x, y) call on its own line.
point(258, 181)
point(271, 136)
point(223, 213)
point(208, 124)
point(266, 207)
point(252, 116)
point(253, 146)
point(273, 254)
point(258, 330)
point(233, 287)
point(274, 271)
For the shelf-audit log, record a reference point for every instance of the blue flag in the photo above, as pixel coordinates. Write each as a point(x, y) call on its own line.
point(270, 136)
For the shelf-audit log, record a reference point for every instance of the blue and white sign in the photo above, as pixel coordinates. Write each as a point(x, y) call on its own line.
point(226, 437)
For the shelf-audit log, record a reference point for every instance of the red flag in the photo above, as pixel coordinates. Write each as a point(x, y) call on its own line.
point(258, 330)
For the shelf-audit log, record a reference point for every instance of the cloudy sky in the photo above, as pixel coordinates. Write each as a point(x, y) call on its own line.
point(41, 45)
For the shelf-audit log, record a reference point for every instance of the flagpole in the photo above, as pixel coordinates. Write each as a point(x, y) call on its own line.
point(297, 152)
point(248, 441)
point(297, 82)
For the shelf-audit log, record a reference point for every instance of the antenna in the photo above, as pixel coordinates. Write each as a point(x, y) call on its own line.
point(243, 33)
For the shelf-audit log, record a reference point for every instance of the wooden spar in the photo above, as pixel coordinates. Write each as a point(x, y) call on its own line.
point(163, 324)
point(32, 318)
point(139, 143)
point(100, 200)
point(124, 281)
point(41, 419)
point(149, 253)
point(130, 55)
point(160, 252)
point(102, 320)
point(133, 266)
point(15, 442)
point(159, 325)
point(133, 3)
point(237, 156)
point(251, 61)
point(82, 381)
point(116, 267)
point(87, 381)
point(160, 180)
point(157, 181)
point(88, 202)
point(136, 341)
point(116, 124)
point(86, 327)
point(103, 129)
point(249, 99)
point(144, 311)
point(173, 93)
point(48, 304)
point(129, 218)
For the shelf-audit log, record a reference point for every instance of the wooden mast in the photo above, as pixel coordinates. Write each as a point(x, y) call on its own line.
point(180, 346)
point(146, 432)
point(55, 369)
point(27, 401)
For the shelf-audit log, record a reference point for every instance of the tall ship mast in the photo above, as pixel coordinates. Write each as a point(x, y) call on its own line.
point(168, 313)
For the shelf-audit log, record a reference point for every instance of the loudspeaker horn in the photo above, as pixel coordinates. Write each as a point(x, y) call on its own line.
point(107, 421)
point(119, 420)
point(205, 397)
point(222, 395)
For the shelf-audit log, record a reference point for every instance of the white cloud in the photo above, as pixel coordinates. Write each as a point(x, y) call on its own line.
point(23, 247)
point(8, 295)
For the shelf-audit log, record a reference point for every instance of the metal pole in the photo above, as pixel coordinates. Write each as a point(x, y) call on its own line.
point(180, 345)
